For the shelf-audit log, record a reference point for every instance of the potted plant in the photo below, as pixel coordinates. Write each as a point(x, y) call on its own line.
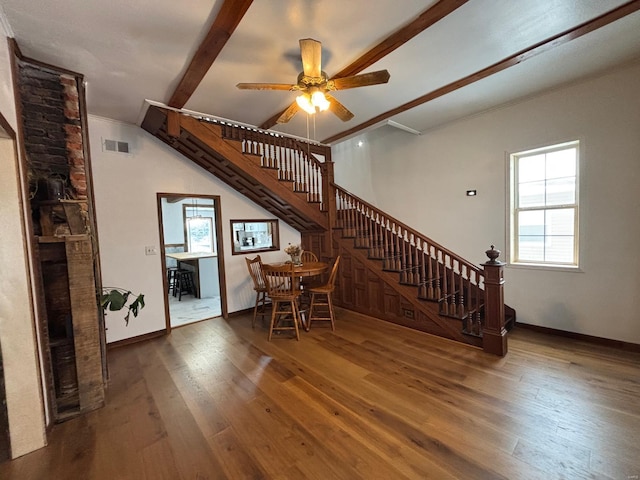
point(115, 299)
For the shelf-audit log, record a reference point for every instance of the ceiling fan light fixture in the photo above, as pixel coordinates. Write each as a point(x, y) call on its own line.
point(319, 101)
point(312, 103)
point(304, 102)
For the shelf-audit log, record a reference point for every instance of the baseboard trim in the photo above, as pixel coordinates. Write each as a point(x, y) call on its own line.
point(138, 339)
point(238, 313)
point(246, 311)
point(606, 342)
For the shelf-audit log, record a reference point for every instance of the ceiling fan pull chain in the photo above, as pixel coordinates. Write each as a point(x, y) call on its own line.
point(308, 127)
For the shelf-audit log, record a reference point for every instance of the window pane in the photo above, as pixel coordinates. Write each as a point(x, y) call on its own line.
point(531, 223)
point(531, 194)
point(531, 169)
point(559, 249)
point(561, 163)
point(560, 222)
point(531, 249)
point(561, 191)
point(200, 238)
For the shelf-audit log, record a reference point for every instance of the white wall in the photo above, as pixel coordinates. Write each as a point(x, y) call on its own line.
point(173, 222)
point(17, 327)
point(126, 209)
point(422, 181)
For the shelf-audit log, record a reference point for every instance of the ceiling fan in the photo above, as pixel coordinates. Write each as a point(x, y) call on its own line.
point(314, 85)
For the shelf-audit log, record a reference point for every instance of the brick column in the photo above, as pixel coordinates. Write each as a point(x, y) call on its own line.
point(53, 128)
point(73, 137)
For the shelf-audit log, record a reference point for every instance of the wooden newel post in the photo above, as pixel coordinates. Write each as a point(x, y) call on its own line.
point(494, 335)
point(329, 199)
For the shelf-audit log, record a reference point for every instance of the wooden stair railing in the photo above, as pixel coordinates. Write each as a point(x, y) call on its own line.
point(441, 276)
point(282, 174)
point(293, 160)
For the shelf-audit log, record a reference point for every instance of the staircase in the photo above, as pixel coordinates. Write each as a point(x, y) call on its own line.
point(388, 270)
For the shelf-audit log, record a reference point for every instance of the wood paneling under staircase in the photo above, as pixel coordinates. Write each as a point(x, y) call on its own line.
point(366, 287)
point(388, 270)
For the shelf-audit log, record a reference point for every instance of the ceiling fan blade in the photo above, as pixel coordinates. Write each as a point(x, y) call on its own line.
point(338, 109)
point(288, 113)
point(265, 86)
point(311, 52)
point(363, 80)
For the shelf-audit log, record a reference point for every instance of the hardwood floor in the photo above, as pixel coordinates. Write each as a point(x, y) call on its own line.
point(372, 401)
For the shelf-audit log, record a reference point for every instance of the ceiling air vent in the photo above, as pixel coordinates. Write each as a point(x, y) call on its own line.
point(116, 146)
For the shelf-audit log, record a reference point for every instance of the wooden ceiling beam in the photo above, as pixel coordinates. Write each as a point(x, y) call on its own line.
point(223, 26)
point(530, 52)
point(395, 40)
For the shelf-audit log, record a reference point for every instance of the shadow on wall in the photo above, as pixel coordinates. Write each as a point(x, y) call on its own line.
point(561, 317)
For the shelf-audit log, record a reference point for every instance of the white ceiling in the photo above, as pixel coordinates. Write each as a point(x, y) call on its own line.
point(132, 50)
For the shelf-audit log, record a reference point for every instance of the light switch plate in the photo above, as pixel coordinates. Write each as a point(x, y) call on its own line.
point(150, 250)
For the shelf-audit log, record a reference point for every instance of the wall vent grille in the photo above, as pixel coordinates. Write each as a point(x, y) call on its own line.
point(116, 146)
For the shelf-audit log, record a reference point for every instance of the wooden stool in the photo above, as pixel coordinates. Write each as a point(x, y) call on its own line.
point(321, 297)
point(283, 291)
point(184, 284)
point(172, 274)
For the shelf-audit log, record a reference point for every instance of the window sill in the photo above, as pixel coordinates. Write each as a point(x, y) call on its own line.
point(550, 267)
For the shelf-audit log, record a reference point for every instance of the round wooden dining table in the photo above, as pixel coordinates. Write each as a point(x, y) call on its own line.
point(306, 269)
point(310, 269)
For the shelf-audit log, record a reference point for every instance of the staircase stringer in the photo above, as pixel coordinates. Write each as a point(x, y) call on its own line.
point(202, 143)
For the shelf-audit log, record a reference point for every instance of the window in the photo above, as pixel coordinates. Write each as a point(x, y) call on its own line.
point(251, 236)
point(200, 235)
point(199, 228)
point(544, 206)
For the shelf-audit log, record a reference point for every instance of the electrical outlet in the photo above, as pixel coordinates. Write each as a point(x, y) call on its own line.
point(150, 250)
point(408, 313)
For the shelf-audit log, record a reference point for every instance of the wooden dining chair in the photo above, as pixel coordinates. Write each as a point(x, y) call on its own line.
point(282, 289)
point(308, 256)
point(259, 285)
point(306, 282)
point(321, 298)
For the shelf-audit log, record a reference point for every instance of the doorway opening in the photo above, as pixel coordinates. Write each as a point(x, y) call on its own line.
point(192, 258)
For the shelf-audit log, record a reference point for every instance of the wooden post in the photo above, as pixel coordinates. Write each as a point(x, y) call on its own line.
point(84, 317)
point(329, 198)
point(494, 335)
point(173, 123)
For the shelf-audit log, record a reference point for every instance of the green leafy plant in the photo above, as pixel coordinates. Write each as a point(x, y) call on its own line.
point(115, 299)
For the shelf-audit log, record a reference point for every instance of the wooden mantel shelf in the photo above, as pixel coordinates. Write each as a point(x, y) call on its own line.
point(61, 239)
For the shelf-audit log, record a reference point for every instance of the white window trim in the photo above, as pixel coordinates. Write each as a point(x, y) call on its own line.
point(510, 201)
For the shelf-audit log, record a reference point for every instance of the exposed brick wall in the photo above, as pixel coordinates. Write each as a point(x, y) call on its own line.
point(52, 128)
point(73, 136)
point(42, 99)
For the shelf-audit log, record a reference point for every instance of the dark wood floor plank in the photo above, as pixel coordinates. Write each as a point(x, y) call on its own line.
point(236, 459)
point(330, 442)
point(192, 454)
point(159, 461)
point(323, 410)
point(372, 400)
point(255, 440)
point(360, 401)
point(120, 458)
